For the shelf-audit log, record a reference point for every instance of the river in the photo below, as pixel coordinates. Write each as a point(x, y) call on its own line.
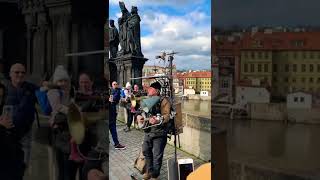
point(292, 148)
point(197, 107)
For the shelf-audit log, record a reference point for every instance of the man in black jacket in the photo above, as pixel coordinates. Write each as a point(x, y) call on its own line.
point(21, 95)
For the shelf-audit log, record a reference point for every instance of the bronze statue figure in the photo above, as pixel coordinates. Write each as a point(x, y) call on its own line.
point(134, 32)
point(113, 39)
point(122, 21)
point(129, 31)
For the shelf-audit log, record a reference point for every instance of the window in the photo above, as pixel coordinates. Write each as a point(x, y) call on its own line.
point(311, 79)
point(245, 54)
point(301, 99)
point(266, 55)
point(303, 68)
point(303, 79)
point(297, 43)
point(252, 67)
point(304, 56)
point(318, 67)
point(259, 55)
point(318, 81)
point(294, 68)
point(311, 55)
point(225, 84)
point(296, 99)
point(252, 55)
point(259, 67)
point(286, 68)
point(265, 67)
point(311, 67)
point(295, 55)
point(245, 67)
point(286, 79)
point(275, 68)
point(294, 80)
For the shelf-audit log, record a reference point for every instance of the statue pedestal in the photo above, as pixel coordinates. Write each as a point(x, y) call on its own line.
point(123, 68)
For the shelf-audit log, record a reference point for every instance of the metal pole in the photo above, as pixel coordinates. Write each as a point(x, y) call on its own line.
point(170, 58)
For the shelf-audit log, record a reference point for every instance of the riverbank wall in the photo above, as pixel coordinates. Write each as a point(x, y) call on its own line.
point(198, 97)
point(280, 112)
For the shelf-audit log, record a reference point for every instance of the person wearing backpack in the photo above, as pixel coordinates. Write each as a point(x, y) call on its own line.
point(155, 138)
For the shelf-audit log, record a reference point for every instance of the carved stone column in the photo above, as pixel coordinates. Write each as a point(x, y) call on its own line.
point(128, 73)
point(133, 69)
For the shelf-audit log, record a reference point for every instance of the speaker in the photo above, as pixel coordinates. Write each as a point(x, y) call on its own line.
point(148, 103)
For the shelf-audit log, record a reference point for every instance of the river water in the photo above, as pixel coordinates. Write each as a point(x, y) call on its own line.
point(197, 107)
point(292, 148)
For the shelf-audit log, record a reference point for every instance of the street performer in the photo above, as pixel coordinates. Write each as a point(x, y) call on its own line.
point(155, 138)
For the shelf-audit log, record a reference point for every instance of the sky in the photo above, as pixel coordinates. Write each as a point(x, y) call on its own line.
point(266, 12)
point(183, 26)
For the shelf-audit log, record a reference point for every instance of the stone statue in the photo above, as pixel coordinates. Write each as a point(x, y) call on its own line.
point(113, 39)
point(134, 32)
point(122, 21)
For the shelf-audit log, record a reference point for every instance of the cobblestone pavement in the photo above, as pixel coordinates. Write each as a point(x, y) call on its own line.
point(121, 162)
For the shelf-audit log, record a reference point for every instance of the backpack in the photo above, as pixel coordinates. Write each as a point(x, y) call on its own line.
point(122, 94)
point(44, 101)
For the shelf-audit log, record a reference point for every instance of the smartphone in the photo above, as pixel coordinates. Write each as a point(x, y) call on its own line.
point(7, 111)
point(185, 167)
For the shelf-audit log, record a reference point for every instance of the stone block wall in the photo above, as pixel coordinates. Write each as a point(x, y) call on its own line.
point(196, 136)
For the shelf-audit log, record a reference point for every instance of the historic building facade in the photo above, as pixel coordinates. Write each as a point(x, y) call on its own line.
point(50, 29)
point(286, 61)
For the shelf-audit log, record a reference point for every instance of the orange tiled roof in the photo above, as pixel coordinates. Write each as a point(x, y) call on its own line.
point(269, 41)
point(281, 41)
point(200, 74)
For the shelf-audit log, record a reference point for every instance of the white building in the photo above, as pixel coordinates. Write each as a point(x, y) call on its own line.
point(251, 94)
point(204, 93)
point(299, 100)
point(189, 91)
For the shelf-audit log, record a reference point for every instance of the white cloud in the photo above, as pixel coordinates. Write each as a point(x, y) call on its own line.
point(118, 15)
point(189, 34)
point(179, 33)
